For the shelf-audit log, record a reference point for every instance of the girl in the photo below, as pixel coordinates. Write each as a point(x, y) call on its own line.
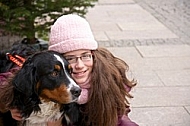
point(101, 76)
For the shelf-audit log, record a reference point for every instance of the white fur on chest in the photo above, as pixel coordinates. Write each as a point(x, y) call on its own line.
point(50, 111)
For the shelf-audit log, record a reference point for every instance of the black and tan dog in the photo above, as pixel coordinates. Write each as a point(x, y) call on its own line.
point(41, 87)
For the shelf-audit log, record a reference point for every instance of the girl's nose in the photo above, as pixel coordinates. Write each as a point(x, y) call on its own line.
point(79, 63)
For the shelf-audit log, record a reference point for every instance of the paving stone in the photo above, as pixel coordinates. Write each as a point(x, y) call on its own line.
point(158, 64)
point(125, 53)
point(144, 34)
point(130, 24)
point(105, 26)
point(160, 116)
point(161, 96)
point(101, 36)
point(146, 78)
point(175, 77)
point(174, 14)
point(164, 51)
point(142, 24)
point(188, 109)
point(166, 63)
point(115, 1)
point(130, 55)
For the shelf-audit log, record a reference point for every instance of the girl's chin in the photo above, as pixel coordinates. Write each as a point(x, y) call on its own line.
point(81, 81)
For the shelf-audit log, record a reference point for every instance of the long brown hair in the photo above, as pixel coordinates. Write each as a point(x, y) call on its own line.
point(107, 95)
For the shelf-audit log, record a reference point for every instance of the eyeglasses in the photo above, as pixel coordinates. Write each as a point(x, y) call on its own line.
point(83, 57)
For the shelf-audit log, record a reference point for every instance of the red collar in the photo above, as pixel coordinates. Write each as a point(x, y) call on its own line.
point(18, 60)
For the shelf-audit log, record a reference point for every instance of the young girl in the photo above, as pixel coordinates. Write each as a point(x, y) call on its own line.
point(101, 76)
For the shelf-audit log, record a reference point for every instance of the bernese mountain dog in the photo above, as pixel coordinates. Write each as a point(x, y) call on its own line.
point(42, 90)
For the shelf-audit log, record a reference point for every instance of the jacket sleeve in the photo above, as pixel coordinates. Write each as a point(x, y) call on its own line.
point(124, 120)
point(3, 82)
point(4, 78)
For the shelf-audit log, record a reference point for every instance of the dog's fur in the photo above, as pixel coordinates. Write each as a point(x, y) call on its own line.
point(40, 88)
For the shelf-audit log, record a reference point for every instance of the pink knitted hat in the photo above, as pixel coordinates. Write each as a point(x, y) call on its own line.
point(71, 32)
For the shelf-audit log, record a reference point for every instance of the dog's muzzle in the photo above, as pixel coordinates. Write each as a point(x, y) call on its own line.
point(75, 91)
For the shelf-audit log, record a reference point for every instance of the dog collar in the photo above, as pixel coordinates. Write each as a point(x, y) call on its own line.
point(18, 60)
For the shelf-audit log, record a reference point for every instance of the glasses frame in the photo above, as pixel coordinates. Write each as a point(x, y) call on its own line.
point(83, 57)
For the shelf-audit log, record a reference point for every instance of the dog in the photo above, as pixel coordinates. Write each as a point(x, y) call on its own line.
point(41, 88)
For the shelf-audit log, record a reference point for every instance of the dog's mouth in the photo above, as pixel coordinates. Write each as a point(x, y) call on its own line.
point(74, 99)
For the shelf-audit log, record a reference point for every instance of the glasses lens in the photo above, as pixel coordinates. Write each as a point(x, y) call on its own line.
point(71, 59)
point(86, 57)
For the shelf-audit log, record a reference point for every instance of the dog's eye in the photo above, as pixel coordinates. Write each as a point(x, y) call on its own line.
point(54, 74)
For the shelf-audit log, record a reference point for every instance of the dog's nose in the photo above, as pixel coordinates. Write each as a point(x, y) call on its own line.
point(75, 91)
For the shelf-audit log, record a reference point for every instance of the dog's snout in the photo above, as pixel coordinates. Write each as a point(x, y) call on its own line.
point(75, 91)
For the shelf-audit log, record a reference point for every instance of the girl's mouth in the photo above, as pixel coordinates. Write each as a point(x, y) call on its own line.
point(79, 73)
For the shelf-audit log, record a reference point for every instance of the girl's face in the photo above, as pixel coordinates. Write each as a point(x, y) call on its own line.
point(81, 62)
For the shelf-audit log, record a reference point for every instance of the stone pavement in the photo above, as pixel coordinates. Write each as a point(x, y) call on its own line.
point(153, 37)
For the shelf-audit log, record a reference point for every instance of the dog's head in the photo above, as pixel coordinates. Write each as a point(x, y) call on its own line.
point(46, 76)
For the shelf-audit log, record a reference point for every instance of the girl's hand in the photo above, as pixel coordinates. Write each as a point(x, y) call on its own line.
point(15, 113)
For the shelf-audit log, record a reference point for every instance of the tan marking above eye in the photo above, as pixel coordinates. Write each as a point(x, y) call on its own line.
point(69, 67)
point(57, 67)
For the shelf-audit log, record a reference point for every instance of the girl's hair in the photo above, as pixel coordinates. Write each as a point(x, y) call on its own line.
point(107, 95)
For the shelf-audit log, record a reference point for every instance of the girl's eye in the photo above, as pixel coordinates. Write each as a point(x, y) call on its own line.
point(70, 58)
point(86, 56)
point(54, 74)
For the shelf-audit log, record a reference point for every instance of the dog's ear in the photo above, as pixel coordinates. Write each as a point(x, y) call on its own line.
point(24, 82)
point(26, 78)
